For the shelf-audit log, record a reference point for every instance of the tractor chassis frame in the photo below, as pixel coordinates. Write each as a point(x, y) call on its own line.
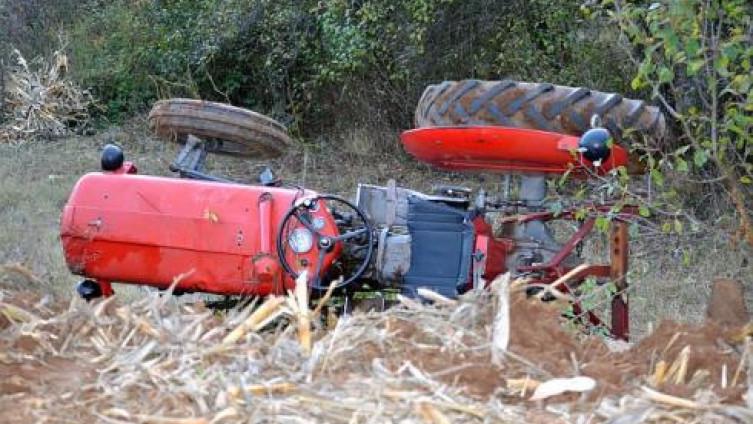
point(557, 276)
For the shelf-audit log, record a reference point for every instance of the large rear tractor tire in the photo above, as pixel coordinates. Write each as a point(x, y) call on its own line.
point(541, 106)
point(227, 129)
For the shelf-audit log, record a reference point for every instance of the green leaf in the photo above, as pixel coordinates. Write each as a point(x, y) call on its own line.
point(678, 226)
point(657, 177)
point(602, 224)
point(682, 149)
point(643, 211)
point(636, 83)
point(681, 165)
point(563, 179)
point(722, 65)
point(692, 47)
point(665, 74)
point(700, 158)
point(666, 227)
point(746, 180)
point(694, 66)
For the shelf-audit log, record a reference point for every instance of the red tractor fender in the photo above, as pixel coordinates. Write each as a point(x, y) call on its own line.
point(503, 150)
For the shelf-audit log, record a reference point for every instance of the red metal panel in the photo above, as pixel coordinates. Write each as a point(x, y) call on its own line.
point(148, 230)
point(501, 149)
point(494, 250)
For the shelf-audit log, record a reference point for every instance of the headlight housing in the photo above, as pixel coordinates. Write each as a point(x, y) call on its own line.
point(301, 240)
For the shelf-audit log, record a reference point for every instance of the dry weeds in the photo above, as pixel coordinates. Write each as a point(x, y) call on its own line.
point(40, 100)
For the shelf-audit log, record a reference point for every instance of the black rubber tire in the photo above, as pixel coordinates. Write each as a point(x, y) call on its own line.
point(541, 106)
point(234, 131)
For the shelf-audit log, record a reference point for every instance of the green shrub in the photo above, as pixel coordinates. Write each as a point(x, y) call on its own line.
point(695, 59)
point(327, 65)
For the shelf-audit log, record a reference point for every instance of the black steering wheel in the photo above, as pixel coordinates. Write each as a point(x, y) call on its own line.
point(356, 236)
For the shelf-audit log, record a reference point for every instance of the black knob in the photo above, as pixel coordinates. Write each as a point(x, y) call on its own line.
point(112, 158)
point(595, 144)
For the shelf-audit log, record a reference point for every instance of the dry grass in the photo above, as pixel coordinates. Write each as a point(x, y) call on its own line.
point(667, 287)
point(35, 180)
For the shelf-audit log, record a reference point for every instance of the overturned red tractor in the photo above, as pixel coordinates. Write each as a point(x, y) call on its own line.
point(202, 233)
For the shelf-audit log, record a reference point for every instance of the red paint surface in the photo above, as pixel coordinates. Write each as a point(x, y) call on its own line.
point(149, 230)
point(494, 250)
point(502, 149)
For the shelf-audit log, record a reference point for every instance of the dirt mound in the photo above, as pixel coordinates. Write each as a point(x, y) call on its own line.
point(82, 362)
point(727, 303)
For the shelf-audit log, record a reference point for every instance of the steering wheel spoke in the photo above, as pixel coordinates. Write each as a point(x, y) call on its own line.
point(351, 234)
point(318, 270)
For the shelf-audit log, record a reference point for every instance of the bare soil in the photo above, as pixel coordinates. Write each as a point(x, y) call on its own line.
point(727, 303)
point(538, 335)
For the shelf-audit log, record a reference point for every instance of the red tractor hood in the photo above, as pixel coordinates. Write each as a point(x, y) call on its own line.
point(213, 237)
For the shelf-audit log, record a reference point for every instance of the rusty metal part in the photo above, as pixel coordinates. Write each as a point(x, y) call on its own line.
point(541, 106)
point(228, 129)
point(619, 267)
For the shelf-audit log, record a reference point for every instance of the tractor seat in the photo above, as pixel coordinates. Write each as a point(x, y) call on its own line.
point(441, 248)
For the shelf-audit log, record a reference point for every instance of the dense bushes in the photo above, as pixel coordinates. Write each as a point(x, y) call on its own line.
point(34, 26)
point(316, 64)
point(696, 57)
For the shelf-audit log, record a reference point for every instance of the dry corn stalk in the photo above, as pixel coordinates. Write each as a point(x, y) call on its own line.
point(16, 314)
point(743, 359)
point(435, 297)
point(153, 419)
point(671, 400)
point(41, 100)
point(660, 373)
point(557, 386)
point(323, 301)
point(255, 321)
point(431, 415)
point(302, 313)
point(20, 269)
point(522, 385)
point(744, 332)
point(679, 368)
point(501, 325)
point(263, 378)
point(268, 389)
point(749, 392)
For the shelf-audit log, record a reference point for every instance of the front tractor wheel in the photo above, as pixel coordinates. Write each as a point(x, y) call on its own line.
point(226, 129)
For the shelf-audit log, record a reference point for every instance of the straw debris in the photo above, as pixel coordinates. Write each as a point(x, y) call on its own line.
point(40, 100)
point(159, 360)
